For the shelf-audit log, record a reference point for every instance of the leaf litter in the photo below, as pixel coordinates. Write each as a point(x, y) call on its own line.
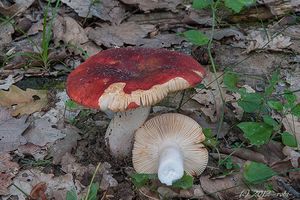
point(84, 28)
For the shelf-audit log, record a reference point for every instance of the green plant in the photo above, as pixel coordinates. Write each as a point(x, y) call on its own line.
point(91, 192)
point(41, 58)
point(259, 130)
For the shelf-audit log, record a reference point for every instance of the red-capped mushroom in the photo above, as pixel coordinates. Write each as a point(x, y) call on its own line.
point(128, 81)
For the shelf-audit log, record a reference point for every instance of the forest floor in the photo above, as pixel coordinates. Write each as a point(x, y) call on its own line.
point(50, 146)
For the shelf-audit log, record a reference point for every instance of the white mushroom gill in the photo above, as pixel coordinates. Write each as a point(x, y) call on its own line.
point(170, 166)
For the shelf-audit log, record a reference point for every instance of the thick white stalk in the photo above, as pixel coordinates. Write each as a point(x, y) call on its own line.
point(170, 166)
point(120, 131)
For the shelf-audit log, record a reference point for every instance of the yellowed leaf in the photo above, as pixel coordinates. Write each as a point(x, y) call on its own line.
point(23, 101)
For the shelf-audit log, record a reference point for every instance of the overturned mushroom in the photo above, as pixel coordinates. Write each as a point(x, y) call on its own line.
point(127, 81)
point(168, 145)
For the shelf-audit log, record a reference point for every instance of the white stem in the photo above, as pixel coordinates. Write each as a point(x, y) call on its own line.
point(170, 166)
point(120, 131)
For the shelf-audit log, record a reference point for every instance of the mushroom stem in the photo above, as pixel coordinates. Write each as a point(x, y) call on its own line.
point(170, 166)
point(120, 131)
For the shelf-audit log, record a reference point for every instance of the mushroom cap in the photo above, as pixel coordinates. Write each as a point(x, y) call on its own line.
point(169, 129)
point(126, 78)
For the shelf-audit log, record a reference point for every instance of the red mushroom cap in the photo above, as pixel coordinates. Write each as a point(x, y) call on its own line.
point(126, 78)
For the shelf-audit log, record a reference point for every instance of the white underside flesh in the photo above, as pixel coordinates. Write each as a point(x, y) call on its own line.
point(120, 131)
point(170, 166)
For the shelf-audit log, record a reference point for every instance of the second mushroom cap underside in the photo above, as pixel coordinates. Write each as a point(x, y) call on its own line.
point(127, 78)
point(163, 131)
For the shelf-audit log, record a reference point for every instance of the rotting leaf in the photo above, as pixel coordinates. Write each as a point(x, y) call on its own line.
point(23, 102)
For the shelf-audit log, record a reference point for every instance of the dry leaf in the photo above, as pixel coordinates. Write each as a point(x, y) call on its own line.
point(126, 33)
point(160, 41)
point(56, 186)
point(61, 147)
point(18, 7)
point(5, 33)
point(66, 29)
point(39, 153)
point(6, 83)
point(293, 155)
point(11, 133)
point(8, 170)
point(23, 102)
point(232, 181)
point(147, 5)
point(264, 40)
point(292, 125)
point(38, 191)
point(43, 133)
point(107, 10)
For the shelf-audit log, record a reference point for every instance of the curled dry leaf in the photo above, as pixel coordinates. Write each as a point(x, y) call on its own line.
point(66, 29)
point(107, 10)
point(259, 40)
point(147, 5)
point(8, 170)
point(23, 101)
point(11, 130)
point(38, 191)
point(6, 83)
point(42, 133)
point(18, 7)
point(126, 33)
point(293, 155)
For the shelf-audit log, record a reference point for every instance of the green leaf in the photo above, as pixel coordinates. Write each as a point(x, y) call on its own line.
point(201, 4)
point(140, 180)
point(270, 121)
point(238, 5)
point(92, 195)
point(200, 86)
point(290, 98)
point(210, 140)
point(289, 139)
point(276, 105)
point(257, 133)
point(250, 102)
point(296, 110)
point(196, 37)
point(72, 195)
point(71, 104)
point(230, 80)
point(257, 172)
point(186, 182)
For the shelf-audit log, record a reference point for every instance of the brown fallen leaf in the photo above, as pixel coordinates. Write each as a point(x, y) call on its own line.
point(5, 33)
point(61, 147)
point(11, 130)
point(229, 187)
point(23, 102)
point(38, 191)
point(147, 5)
point(42, 133)
point(263, 39)
point(160, 41)
point(67, 29)
point(57, 186)
point(107, 10)
point(292, 155)
point(18, 7)
point(33, 150)
point(126, 33)
point(8, 170)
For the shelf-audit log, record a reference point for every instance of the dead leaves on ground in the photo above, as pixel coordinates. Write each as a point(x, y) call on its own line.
point(23, 101)
point(8, 170)
point(16, 8)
